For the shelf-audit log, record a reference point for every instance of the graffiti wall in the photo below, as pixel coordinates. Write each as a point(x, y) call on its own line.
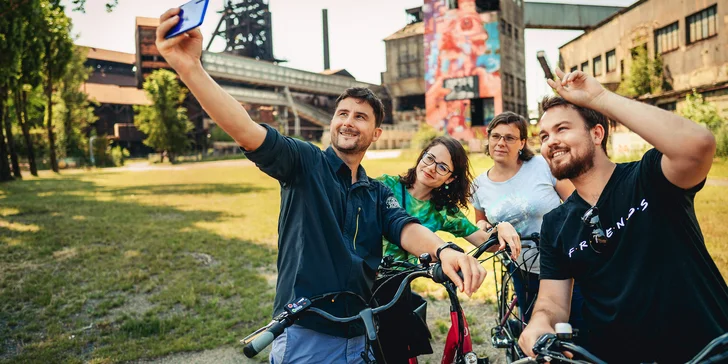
point(462, 66)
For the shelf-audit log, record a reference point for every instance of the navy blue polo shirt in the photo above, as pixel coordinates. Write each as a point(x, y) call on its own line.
point(329, 230)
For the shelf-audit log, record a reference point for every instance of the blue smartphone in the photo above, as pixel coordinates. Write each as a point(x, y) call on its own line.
point(191, 16)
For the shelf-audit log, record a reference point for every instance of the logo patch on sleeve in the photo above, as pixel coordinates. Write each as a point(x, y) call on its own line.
point(392, 203)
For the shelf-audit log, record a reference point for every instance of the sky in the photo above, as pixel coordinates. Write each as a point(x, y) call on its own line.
point(356, 32)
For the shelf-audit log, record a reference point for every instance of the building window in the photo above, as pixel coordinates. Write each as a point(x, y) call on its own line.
point(701, 25)
point(597, 63)
point(508, 29)
point(666, 38)
point(611, 61)
point(669, 106)
point(575, 68)
point(585, 67)
point(621, 67)
point(482, 6)
point(515, 33)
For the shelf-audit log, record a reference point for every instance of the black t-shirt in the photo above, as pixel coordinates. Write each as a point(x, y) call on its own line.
point(653, 293)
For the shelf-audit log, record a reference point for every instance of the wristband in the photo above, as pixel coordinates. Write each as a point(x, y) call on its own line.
point(448, 245)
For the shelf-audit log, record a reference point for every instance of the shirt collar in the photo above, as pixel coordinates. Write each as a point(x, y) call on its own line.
point(338, 164)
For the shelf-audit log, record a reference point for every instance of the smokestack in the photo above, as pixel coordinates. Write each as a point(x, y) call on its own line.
point(326, 39)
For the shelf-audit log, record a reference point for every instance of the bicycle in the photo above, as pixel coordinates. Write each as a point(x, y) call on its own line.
point(510, 321)
point(550, 348)
point(264, 336)
point(458, 345)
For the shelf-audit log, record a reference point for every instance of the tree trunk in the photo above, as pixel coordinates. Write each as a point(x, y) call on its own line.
point(4, 165)
point(68, 130)
point(49, 125)
point(22, 118)
point(11, 142)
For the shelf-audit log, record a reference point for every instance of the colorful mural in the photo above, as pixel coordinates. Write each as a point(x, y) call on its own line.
point(462, 66)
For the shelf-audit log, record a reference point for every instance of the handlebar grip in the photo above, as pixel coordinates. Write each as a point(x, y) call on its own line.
point(263, 340)
point(493, 240)
point(438, 276)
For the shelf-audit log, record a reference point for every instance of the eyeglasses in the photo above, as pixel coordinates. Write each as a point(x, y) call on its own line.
point(495, 138)
point(598, 239)
point(441, 168)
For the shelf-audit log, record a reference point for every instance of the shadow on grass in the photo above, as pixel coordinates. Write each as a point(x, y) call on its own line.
point(84, 276)
point(194, 189)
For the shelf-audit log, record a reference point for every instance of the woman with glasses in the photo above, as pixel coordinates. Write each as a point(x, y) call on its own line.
point(433, 191)
point(519, 189)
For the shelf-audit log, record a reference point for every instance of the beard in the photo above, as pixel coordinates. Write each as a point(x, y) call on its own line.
point(358, 146)
point(578, 165)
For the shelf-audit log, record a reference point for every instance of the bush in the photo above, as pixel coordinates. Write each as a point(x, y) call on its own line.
point(118, 154)
point(424, 136)
point(102, 152)
point(721, 140)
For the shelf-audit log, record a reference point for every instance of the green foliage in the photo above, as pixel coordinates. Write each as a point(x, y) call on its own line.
point(118, 154)
point(697, 109)
point(80, 5)
point(165, 121)
point(75, 112)
point(424, 135)
point(706, 113)
point(102, 152)
point(219, 135)
point(645, 75)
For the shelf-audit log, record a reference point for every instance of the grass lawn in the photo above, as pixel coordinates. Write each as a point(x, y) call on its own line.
point(108, 267)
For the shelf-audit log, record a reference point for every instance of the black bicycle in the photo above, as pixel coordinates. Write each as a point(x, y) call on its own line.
point(261, 338)
point(550, 348)
point(510, 321)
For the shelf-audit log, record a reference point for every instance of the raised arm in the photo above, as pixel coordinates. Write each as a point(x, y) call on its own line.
point(183, 53)
point(687, 147)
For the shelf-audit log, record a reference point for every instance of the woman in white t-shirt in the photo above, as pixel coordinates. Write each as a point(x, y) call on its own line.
point(519, 189)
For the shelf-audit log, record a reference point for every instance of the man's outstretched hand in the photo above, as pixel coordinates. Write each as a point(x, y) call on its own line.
point(182, 52)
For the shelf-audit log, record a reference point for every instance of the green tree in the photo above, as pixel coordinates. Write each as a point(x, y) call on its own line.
point(75, 112)
point(645, 75)
point(13, 25)
point(31, 50)
point(58, 52)
point(699, 110)
point(80, 5)
point(164, 122)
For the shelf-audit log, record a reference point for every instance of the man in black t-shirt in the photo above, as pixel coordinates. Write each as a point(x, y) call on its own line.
point(628, 234)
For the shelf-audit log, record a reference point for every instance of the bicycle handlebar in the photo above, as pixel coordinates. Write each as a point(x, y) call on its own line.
point(550, 348)
point(265, 336)
point(493, 240)
point(262, 341)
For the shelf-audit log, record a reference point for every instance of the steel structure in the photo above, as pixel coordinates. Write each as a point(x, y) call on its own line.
point(246, 27)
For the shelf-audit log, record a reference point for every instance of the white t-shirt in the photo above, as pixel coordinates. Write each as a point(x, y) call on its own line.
point(522, 201)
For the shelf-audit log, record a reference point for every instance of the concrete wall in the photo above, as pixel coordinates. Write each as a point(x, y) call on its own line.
point(691, 65)
point(513, 57)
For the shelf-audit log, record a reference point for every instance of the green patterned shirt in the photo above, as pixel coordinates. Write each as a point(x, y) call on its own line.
point(435, 220)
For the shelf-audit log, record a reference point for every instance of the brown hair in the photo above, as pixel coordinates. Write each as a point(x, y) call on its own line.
point(458, 192)
point(363, 93)
point(509, 117)
point(591, 118)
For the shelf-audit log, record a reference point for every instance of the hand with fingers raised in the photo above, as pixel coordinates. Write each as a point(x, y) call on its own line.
point(578, 88)
point(182, 52)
